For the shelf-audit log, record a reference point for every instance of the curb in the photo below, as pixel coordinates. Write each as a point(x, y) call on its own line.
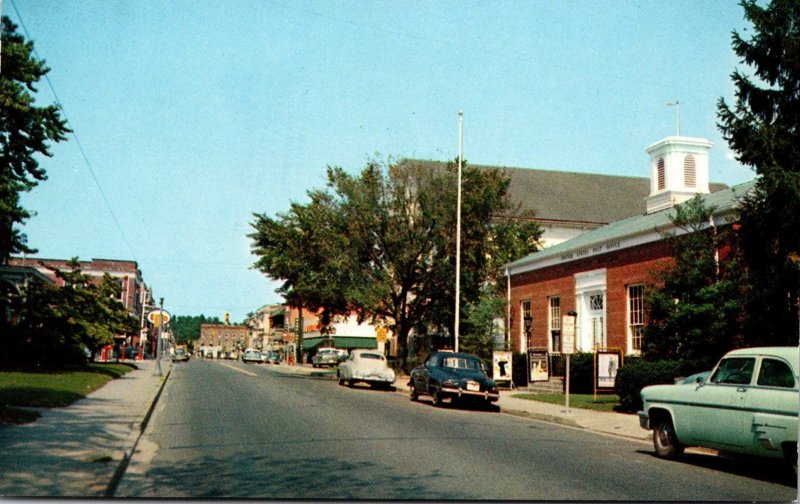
point(136, 435)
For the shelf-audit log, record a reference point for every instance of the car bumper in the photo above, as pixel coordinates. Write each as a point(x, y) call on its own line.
point(459, 393)
point(644, 420)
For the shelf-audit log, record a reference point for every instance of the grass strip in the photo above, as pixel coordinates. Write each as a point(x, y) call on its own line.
point(604, 402)
point(51, 389)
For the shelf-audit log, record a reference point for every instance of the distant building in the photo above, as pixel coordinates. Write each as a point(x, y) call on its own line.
point(222, 338)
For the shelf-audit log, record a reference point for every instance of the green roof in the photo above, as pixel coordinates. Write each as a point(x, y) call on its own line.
point(608, 237)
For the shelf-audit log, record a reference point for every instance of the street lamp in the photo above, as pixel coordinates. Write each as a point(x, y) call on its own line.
point(458, 229)
point(528, 320)
point(159, 343)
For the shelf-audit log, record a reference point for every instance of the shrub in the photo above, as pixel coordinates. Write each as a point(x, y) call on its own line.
point(581, 373)
point(638, 373)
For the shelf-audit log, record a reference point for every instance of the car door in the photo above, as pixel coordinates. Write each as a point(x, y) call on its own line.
point(773, 407)
point(715, 411)
point(422, 375)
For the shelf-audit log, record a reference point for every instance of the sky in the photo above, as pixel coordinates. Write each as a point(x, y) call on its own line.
point(189, 116)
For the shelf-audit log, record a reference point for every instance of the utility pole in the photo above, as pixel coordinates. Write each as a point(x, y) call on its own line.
point(159, 344)
point(458, 230)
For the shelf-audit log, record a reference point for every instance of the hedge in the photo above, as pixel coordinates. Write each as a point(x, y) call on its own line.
point(638, 373)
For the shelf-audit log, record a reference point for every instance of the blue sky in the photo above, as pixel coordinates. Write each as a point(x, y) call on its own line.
point(195, 114)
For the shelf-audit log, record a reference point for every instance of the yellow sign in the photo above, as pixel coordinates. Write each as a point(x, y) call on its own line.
point(155, 317)
point(380, 335)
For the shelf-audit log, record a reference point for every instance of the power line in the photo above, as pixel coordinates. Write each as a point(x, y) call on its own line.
point(75, 136)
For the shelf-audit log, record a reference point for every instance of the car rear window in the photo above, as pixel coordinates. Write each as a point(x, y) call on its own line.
point(775, 373)
point(461, 363)
point(371, 356)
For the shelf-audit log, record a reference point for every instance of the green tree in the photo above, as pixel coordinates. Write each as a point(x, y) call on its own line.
point(54, 324)
point(382, 243)
point(25, 131)
point(479, 326)
point(695, 310)
point(762, 129)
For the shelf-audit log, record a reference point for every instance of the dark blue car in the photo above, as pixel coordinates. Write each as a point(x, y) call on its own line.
point(452, 376)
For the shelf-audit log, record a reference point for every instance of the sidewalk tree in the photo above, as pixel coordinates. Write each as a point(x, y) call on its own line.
point(762, 128)
point(25, 132)
point(382, 243)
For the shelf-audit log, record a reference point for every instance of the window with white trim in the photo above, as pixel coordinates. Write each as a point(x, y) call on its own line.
point(525, 329)
point(555, 323)
point(636, 316)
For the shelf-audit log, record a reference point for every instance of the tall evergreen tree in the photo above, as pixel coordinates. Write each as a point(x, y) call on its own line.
point(762, 129)
point(695, 310)
point(25, 132)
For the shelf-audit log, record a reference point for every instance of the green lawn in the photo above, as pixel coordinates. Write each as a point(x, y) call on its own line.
point(51, 390)
point(604, 402)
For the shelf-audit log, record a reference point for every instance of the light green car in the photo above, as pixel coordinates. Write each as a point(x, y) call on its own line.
point(748, 405)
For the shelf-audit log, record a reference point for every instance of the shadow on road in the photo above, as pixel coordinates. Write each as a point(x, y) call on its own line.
point(273, 476)
point(768, 470)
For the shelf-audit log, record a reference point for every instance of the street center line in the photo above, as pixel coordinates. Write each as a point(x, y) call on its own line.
point(249, 373)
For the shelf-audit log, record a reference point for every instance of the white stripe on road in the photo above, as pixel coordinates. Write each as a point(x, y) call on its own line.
point(248, 373)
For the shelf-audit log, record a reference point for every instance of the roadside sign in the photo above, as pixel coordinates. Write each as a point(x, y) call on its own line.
point(567, 334)
point(155, 317)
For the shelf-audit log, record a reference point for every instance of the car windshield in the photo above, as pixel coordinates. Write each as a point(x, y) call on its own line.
point(461, 363)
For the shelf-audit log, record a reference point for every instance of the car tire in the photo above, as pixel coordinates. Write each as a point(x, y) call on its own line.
point(412, 393)
point(438, 401)
point(665, 441)
point(351, 383)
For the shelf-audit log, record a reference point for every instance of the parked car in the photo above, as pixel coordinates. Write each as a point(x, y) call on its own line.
point(273, 358)
point(328, 357)
point(367, 366)
point(251, 356)
point(453, 376)
point(748, 405)
point(180, 355)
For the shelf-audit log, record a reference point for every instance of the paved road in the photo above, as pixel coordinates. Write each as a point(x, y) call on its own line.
point(226, 429)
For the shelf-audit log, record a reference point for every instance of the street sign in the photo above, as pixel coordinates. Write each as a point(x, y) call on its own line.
point(568, 334)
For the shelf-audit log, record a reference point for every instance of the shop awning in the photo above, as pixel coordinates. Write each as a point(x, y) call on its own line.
point(346, 342)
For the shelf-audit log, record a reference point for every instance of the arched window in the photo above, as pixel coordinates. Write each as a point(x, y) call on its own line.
point(661, 174)
point(689, 171)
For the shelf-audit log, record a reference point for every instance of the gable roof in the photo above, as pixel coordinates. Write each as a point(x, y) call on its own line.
point(626, 233)
point(557, 196)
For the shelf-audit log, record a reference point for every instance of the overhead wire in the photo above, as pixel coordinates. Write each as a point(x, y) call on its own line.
point(77, 140)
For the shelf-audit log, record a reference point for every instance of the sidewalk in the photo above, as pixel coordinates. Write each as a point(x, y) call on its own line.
point(80, 450)
point(618, 424)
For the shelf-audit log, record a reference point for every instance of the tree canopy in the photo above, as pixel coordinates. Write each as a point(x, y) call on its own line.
point(382, 244)
point(762, 129)
point(26, 130)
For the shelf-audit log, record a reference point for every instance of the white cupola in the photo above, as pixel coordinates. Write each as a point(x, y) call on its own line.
point(678, 171)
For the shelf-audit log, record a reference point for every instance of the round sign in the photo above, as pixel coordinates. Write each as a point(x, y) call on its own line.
point(155, 317)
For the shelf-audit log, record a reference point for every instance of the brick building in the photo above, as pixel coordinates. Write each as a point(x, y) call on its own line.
point(601, 274)
point(126, 273)
point(215, 338)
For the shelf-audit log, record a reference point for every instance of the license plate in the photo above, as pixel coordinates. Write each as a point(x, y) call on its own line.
point(473, 386)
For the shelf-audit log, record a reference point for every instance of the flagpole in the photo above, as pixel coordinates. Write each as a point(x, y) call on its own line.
point(458, 229)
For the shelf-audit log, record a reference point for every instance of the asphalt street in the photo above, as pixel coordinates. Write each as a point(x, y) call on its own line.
point(228, 429)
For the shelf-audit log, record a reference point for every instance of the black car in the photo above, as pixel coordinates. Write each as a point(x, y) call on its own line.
point(454, 376)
